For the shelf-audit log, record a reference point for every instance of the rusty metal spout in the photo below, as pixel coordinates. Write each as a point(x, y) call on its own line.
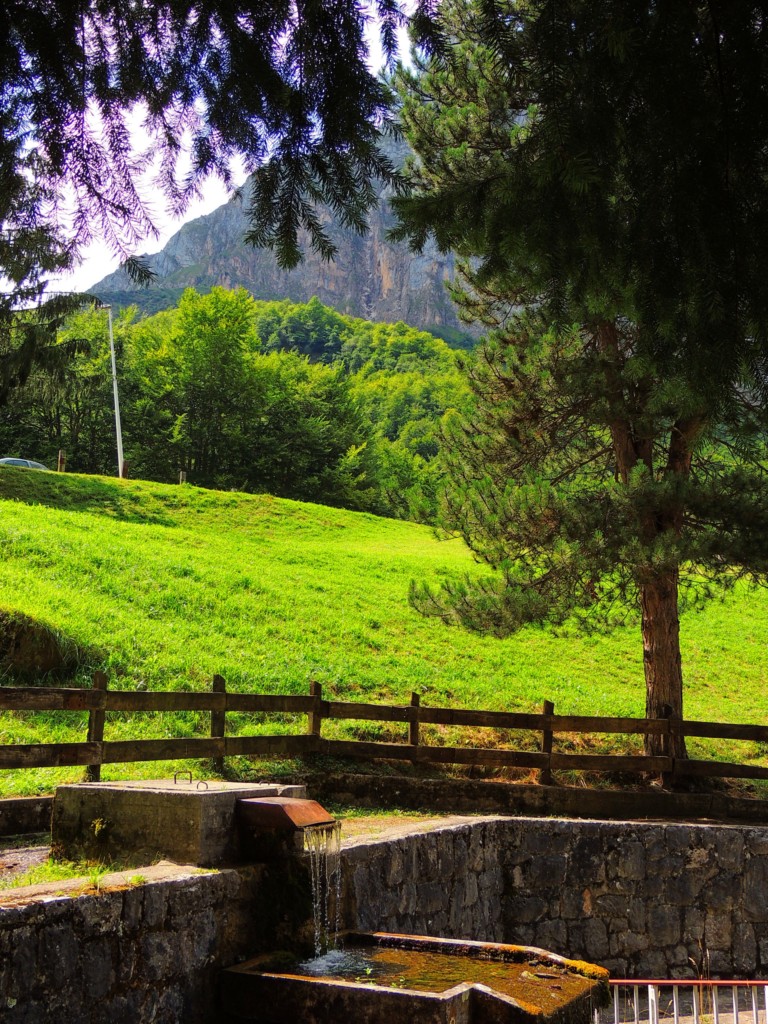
point(282, 814)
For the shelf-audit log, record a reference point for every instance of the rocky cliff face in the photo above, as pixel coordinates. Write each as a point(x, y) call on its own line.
point(371, 276)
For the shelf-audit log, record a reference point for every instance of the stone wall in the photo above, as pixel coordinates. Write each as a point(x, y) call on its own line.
point(644, 900)
point(141, 953)
point(447, 882)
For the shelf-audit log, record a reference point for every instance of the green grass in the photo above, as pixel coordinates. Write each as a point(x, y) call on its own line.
point(48, 871)
point(53, 871)
point(165, 586)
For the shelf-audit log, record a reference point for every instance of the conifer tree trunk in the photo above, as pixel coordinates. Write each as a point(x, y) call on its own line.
point(658, 591)
point(661, 660)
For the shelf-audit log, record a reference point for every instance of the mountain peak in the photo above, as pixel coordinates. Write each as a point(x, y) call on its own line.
point(371, 276)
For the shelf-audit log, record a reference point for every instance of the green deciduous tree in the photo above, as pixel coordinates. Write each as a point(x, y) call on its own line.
point(310, 328)
point(213, 341)
point(403, 379)
point(208, 401)
point(604, 164)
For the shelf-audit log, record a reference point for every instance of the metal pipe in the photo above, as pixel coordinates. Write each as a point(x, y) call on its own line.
point(118, 427)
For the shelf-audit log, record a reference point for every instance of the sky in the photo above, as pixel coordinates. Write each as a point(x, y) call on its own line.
point(98, 259)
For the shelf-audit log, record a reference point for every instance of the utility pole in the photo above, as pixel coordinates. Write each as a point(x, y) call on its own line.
point(118, 428)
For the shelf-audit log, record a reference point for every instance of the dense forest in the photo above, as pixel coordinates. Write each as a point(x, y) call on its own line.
point(293, 399)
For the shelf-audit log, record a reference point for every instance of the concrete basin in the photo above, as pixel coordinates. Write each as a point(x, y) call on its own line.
point(381, 978)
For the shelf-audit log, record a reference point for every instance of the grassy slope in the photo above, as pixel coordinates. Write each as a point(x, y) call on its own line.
point(169, 585)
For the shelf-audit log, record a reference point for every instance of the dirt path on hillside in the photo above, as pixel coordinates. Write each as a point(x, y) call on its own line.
point(19, 854)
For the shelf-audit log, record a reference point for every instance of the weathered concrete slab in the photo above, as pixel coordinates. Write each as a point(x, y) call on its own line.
point(25, 814)
point(470, 796)
point(140, 822)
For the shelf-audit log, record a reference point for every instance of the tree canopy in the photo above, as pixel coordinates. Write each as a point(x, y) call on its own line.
point(290, 398)
point(609, 158)
point(285, 86)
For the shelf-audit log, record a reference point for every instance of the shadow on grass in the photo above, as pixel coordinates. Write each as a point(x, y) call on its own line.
point(127, 501)
point(34, 653)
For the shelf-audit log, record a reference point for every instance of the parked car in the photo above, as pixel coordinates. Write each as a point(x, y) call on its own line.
point(22, 463)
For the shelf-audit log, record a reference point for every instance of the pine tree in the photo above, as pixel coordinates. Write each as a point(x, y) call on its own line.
point(603, 165)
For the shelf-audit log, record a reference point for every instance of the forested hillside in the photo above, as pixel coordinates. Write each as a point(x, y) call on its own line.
point(292, 399)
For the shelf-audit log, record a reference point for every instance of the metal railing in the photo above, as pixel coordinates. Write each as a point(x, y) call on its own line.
point(686, 1001)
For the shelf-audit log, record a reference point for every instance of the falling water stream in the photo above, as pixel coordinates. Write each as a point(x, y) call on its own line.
point(323, 843)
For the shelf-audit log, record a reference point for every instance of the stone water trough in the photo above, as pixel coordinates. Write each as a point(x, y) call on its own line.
point(369, 978)
point(408, 979)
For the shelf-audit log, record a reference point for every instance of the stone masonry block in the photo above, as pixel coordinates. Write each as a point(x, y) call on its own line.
point(98, 969)
point(677, 837)
point(683, 890)
point(526, 909)
point(718, 931)
point(756, 889)
point(664, 925)
point(744, 950)
point(693, 924)
point(626, 943)
point(631, 864)
point(729, 849)
point(545, 872)
point(552, 935)
point(596, 940)
point(572, 905)
point(757, 842)
point(547, 843)
point(670, 866)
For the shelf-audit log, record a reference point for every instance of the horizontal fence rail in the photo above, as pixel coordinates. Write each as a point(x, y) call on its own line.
point(100, 700)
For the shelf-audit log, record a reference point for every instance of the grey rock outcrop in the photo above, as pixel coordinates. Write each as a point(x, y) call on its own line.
point(371, 276)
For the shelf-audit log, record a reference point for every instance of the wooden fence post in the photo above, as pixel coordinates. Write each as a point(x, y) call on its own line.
point(315, 717)
point(61, 464)
point(545, 774)
point(219, 721)
point(413, 724)
point(668, 778)
point(96, 727)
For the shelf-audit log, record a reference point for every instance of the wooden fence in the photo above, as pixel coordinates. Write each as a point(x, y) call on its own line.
point(100, 700)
